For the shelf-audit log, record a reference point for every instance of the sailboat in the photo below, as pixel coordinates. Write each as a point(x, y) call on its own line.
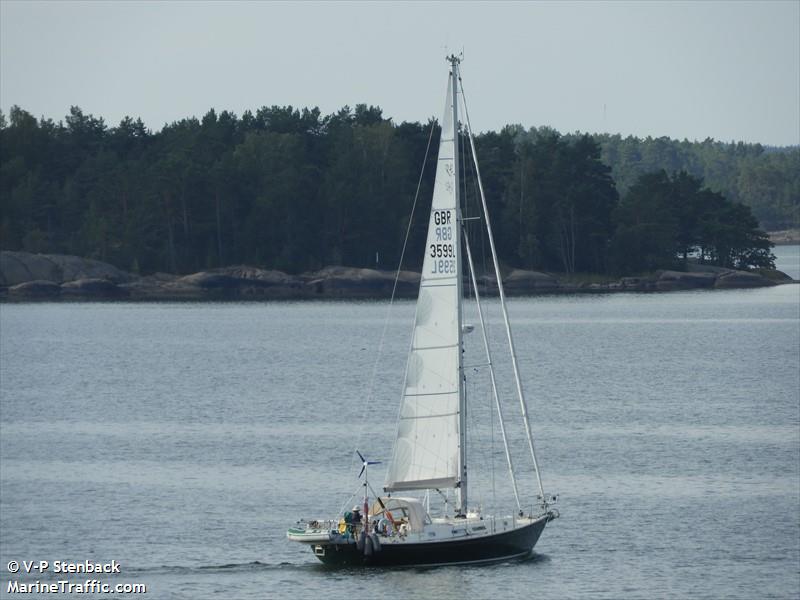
point(430, 451)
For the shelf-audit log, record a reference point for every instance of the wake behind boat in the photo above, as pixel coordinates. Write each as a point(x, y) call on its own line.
point(430, 451)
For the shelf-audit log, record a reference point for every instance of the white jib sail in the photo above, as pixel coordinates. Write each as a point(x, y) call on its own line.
point(426, 451)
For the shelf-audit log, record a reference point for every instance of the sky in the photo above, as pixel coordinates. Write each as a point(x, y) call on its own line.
point(694, 70)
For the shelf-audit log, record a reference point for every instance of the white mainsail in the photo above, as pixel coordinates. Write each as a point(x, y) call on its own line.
point(427, 451)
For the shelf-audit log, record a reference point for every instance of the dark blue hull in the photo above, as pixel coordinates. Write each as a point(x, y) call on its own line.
point(498, 546)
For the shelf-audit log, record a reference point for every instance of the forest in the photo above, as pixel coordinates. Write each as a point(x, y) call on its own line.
point(292, 189)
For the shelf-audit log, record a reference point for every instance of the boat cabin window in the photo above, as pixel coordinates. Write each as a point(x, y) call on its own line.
point(398, 512)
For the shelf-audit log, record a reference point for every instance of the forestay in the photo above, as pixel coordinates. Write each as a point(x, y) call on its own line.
point(426, 451)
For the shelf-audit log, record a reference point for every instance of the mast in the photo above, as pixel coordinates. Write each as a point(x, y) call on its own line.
point(462, 400)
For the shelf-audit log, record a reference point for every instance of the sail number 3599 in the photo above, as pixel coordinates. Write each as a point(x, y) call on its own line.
point(443, 233)
point(442, 251)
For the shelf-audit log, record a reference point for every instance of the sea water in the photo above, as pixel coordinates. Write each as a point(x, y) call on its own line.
point(182, 440)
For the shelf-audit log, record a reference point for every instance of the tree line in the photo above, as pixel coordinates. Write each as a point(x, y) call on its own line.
point(767, 179)
point(296, 190)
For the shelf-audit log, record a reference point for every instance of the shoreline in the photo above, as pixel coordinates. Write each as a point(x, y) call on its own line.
point(26, 277)
point(787, 237)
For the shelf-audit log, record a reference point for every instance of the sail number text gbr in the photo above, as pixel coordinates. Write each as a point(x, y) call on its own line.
point(443, 249)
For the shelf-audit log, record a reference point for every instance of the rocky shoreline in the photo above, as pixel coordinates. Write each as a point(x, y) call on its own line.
point(52, 277)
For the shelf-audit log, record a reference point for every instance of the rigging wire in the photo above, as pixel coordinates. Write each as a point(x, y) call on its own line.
point(495, 393)
point(523, 404)
point(467, 216)
point(468, 229)
point(359, 490)
point(481, 233)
